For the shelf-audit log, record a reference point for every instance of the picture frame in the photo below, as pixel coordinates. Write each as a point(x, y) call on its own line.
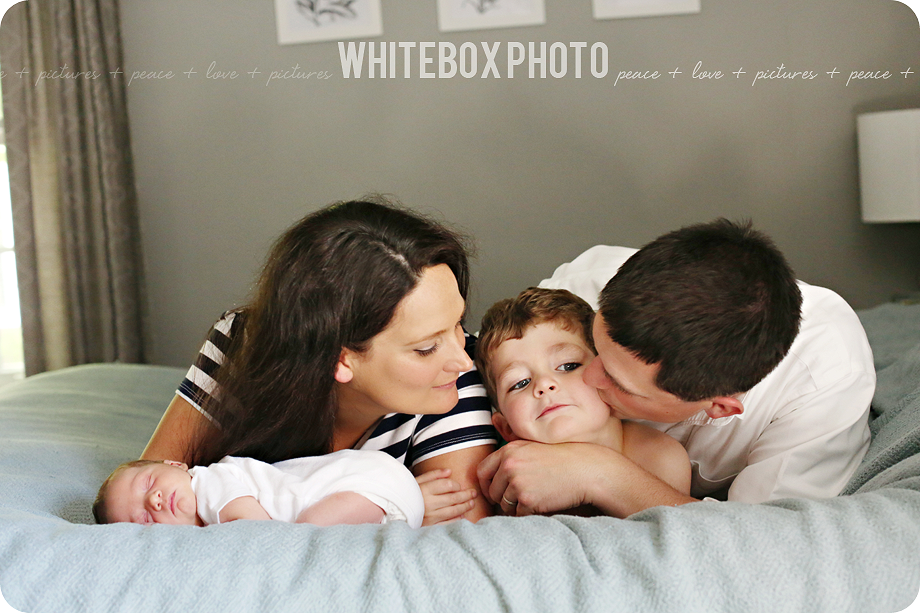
point(456, 15)
point(618, 9)
point(307, 21)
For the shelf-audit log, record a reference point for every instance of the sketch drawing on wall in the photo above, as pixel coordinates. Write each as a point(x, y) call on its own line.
point(304, 21)
point(612, 9)
point(481, 6)
point(454, 15)
point(326, 11)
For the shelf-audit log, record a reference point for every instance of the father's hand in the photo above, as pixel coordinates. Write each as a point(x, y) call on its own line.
point(527, 478)
point(524, 477)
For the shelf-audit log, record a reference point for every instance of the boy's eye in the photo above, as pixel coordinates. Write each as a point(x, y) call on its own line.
point(519, 385)
point(569, 366)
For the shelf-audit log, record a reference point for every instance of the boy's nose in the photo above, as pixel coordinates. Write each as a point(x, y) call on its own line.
point(543, 386)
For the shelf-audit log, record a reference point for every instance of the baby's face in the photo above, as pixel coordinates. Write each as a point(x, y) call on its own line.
point(153, 494)
point(539, 388)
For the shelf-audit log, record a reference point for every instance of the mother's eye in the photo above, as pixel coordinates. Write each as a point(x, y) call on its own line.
point(428, 351)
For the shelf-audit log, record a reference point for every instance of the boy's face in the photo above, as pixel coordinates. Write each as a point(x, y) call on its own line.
point(539, 388)
point(153, 494)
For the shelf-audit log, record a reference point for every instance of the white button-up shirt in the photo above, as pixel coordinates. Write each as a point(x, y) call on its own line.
point(804, 428)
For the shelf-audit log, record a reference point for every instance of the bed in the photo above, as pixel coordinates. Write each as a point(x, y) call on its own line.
point(62, 432)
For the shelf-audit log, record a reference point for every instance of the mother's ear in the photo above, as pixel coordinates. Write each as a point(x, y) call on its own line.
point(344, 368)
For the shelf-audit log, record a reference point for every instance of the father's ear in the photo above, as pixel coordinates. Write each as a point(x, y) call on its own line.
point(724, 406)
point(501, 424)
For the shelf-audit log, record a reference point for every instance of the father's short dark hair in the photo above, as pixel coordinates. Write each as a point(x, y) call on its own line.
point(715, 304)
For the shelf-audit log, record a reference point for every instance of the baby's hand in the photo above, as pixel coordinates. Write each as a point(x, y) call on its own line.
point(444, 499)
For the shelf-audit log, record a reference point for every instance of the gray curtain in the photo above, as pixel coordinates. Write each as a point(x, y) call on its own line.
point(75, 224)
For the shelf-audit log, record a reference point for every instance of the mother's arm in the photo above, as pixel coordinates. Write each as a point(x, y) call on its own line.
point(457, 494)
point(171, 440)
point(454, 484)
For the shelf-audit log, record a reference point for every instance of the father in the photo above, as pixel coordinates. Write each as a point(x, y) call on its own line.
point(706, 334)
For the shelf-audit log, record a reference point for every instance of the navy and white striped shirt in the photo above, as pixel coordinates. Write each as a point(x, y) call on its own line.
point(408, 438)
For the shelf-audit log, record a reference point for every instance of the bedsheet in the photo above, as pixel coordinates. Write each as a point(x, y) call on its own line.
point(62, 432)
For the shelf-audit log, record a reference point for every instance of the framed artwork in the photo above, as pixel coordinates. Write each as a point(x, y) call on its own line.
point(454, 15)
point(613, 9)
point(307, 21)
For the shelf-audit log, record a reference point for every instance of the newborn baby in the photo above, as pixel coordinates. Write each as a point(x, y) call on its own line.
point(345, 487)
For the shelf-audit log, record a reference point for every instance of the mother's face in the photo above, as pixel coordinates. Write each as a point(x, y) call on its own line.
point(412, 366)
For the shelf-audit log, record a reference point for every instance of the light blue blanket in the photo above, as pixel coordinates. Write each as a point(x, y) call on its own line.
point(61, 433)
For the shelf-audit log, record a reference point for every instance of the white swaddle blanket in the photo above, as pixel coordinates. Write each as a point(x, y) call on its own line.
point(284, 489)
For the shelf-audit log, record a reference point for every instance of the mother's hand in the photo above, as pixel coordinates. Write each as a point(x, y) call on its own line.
point(526, 477)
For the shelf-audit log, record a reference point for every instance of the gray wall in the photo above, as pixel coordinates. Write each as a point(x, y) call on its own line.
point(536, 169)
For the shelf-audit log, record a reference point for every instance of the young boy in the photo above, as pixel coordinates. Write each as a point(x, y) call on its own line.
point(346, 487)
point(531, 353)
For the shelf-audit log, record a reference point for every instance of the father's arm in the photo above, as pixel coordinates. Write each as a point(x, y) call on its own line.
point(551, 478)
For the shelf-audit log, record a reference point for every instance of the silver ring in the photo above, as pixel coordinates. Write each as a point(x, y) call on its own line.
point(508, 502)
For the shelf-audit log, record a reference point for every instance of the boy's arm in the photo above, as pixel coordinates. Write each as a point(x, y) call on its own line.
point(244, 507)
point(341, 508)
point(657, 453)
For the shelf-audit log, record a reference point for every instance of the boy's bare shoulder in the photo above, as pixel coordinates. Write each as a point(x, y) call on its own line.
point(641, 434)
point(657, 453)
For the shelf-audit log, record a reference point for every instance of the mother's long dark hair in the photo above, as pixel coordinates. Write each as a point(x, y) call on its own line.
point(332, 281)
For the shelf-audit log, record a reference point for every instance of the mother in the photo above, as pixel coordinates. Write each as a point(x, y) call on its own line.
point(353, 340)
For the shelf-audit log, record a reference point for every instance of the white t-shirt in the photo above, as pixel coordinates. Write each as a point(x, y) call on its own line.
point(284, 489)
point(804, 428)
